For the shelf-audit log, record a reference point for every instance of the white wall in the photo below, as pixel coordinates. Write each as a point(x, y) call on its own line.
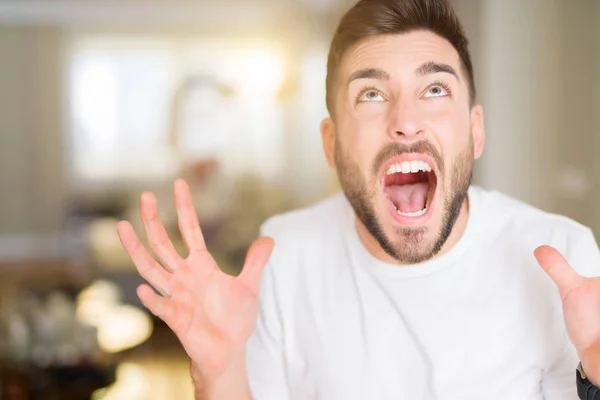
point(535, 64)
point(519, 70)
point(32, 189)
point(30, 131)
point(594, 48)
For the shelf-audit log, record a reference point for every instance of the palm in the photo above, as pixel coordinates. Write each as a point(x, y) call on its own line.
point(581, 309)
point(581, 306)
point(212, 307)
point(212, 313)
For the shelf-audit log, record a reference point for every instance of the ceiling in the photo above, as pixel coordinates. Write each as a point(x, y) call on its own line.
point(162, 13)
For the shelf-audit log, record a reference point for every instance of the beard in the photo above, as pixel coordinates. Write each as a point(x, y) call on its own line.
point(410, 245)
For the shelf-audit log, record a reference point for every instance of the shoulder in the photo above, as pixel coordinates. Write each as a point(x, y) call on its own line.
point(307, 237)
point(307, 240)
point(517, 222)
point(312, 223)
point(516, 215)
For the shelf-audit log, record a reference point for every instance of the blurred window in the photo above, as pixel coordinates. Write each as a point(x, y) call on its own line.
point(120, 108)
point(140, 108)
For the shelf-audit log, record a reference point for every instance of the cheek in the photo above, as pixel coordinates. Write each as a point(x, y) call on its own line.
point(451, 127)
point(441, 112)
point(363, 134)
point(367, 120)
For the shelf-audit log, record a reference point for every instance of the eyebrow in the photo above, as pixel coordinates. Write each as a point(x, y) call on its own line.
point(427, 68)
point(433, 67)
point(369, 73)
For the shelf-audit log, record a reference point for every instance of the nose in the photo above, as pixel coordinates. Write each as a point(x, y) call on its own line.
point(405, 122)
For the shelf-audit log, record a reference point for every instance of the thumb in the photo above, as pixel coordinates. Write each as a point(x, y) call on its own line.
point(256, 259)
point(559, 270)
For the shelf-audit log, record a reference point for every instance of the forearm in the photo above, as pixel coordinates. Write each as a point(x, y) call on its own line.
point(233, 384)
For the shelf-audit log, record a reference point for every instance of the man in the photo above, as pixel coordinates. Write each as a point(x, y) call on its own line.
point(411, 284)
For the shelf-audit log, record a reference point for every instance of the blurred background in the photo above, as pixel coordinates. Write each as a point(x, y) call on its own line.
point(100, 100)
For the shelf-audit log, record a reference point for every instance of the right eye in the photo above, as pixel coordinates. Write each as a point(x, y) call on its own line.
point(369, 96)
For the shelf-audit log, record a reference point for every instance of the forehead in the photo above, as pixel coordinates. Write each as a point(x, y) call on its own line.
point(399, 53)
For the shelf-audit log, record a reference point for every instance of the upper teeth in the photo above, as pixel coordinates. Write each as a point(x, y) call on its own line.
point(408, 167)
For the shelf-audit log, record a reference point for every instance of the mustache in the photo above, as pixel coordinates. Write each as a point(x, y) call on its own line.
point(396, 149)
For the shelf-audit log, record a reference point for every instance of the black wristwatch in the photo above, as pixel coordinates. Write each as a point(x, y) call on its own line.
point(586, 389)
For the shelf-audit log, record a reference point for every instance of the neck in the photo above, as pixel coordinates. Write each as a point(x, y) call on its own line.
point(373, 246)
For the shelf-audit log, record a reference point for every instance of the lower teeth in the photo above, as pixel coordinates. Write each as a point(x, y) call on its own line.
point(412, 214)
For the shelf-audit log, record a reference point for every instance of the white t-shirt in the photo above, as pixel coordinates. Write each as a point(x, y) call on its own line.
point(483, 321)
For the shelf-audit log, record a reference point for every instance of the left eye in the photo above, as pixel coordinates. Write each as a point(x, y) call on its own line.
point(436, 91)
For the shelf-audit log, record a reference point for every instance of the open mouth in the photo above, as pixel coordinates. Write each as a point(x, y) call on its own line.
point(410, 187)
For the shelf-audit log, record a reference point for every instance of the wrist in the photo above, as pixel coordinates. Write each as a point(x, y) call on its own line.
point(590, 363)
point(232, 383)
point(211, 370)
point(594, 379)
point(202, 384)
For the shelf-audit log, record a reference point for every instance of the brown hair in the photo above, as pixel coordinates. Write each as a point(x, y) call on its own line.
point(370, 18)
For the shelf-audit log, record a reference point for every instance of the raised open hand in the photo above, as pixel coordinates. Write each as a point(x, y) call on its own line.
point(212, 313)
point(581, 307)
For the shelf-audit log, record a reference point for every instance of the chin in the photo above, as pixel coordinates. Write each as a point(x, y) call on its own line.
point(411, 243)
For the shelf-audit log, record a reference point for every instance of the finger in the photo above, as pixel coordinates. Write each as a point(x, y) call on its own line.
point(256, 259)
point(187, 217)
point(559, 270)
point(146, 266)
point(157, 305)
point(159, 241)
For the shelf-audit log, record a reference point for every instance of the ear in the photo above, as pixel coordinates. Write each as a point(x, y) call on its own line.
point(478, 130)
point(328, 139)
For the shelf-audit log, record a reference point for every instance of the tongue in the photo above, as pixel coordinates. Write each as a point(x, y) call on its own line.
point(409, 198)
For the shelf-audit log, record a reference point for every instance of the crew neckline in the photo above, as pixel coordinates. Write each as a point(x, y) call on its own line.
point(358, 249)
